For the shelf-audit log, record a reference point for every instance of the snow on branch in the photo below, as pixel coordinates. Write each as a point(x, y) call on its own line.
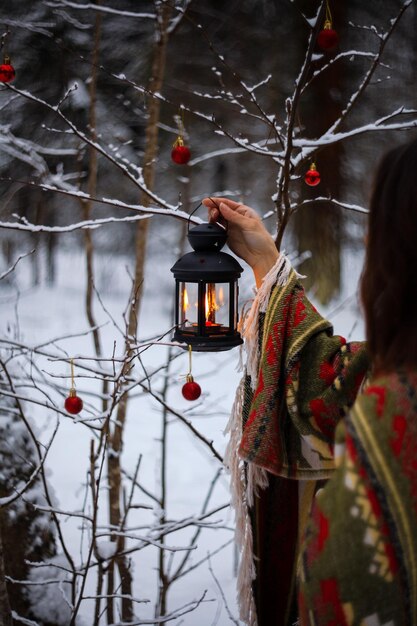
point(34, 27)
point(12, 267)
point(310, 145)
point(25, 225)
point(372, 29)
point(260, 83)
point(137, 181)
point(375, 63)
point(75, 193)
point(101, 9)
point(343, 205)
point(341, 55)
point(7, 137)
point(176, 21)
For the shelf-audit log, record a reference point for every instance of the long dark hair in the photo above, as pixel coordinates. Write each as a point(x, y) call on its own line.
point(389, 278)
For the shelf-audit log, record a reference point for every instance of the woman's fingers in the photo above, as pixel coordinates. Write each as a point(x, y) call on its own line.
point(235, 216)
point(214, 215)
point(215, 202)
point(221, 209)
point(218, 207)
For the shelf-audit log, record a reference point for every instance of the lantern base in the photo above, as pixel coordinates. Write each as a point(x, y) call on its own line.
point(208, 343)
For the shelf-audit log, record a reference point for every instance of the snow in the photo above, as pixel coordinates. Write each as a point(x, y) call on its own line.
point(311, 21)
point(102, 9)
point(47, 598)
point(106, 549)
point(44, 315)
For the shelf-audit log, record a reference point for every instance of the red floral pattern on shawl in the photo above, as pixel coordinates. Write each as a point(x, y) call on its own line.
point(370, 508)
point(307, 377)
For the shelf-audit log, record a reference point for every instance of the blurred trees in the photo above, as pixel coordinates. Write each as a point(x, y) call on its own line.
point(229, 71)
point(51, 47)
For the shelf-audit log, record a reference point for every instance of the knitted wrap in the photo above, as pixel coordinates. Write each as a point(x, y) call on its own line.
point(363, 531)
point(299, 381)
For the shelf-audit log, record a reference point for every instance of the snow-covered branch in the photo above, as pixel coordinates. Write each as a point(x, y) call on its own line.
point(333, 201)
point(90, 6)
point(309, 146)
point(374, 65)
point(136, 180)
point(13, 267)
point(145, 211)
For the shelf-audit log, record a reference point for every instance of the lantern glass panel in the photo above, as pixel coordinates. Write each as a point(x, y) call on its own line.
point(212, 300)
point(234, 293)
point(216, 306)
point(188, 306)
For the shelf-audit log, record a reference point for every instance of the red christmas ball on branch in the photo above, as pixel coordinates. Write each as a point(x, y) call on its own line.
point(180, 153)
point(7, 72)
point(191, 390)
point(327, 38)
point(312, 176)
point(73, 404)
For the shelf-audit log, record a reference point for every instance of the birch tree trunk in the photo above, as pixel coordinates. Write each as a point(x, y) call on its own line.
point(115, 437)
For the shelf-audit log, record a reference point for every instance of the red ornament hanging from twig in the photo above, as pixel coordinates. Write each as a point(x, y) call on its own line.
point(7, 72)
point(328, 38)
point(312, 176)
point(180, 153)
point(73, 404)
point(191, 390)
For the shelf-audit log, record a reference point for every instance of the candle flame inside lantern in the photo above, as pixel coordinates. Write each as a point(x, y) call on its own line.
point(185, 301)
point(213, 302)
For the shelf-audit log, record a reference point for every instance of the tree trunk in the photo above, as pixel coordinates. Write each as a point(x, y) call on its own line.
point(318, 227)
point(116, 436)
point(92, 184)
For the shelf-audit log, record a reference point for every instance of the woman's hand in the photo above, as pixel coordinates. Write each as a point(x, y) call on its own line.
point(247, 237)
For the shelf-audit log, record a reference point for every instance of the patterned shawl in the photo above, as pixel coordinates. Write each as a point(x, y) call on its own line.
point(299, 381)
point(363, 532)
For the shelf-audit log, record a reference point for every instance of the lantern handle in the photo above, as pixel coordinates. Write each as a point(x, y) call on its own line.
point(195, 209)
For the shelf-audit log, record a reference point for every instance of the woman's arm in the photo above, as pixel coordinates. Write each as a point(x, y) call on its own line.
point(247, 237)
point(302, 376)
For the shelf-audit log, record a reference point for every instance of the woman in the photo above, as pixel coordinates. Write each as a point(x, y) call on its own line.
point(358, 562)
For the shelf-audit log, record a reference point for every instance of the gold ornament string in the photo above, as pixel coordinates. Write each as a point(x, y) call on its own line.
point(3, 45)
point(179, 118)
point(72, 374)
point(328, 19)
point(190, 351)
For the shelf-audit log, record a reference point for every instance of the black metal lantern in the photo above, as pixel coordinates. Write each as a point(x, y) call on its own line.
point(206, 297)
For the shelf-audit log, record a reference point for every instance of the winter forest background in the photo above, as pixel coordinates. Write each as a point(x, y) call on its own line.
point(120, 515)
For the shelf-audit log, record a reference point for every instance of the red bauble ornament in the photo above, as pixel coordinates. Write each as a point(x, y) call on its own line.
point(312, 176)
point(7, 72)
point(191, 390)
point(73, 404)
point(180, 154)
point(327, 38)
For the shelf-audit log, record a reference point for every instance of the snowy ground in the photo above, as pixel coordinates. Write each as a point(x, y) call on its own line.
point(43, 313)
